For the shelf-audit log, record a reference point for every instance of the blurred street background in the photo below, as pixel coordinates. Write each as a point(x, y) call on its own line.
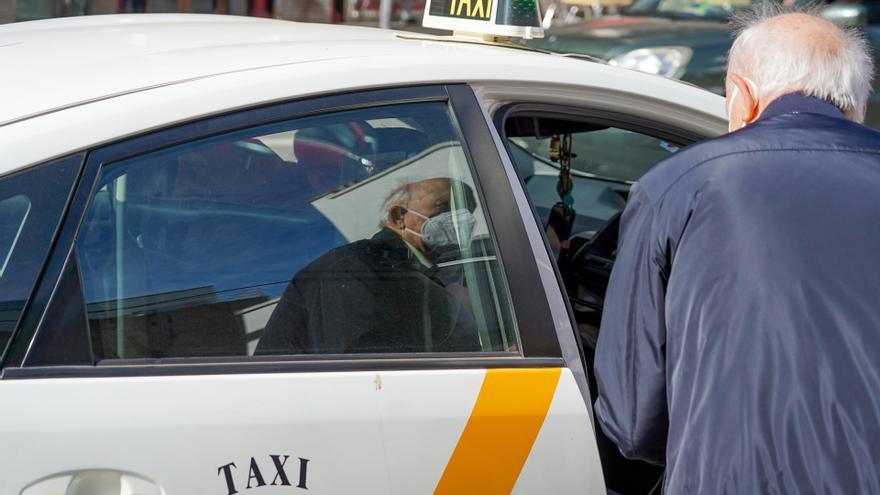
point(405, 14)
point(402, 12)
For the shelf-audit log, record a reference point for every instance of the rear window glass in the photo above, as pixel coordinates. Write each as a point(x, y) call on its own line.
point(354, 232)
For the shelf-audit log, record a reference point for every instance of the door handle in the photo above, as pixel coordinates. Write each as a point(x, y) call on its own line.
point(93, 482)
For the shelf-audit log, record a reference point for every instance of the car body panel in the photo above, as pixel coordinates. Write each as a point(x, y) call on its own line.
point(397, 425)
point(89, 117)
point(360, 432)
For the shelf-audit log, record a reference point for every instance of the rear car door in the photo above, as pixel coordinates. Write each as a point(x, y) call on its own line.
point(228, 308)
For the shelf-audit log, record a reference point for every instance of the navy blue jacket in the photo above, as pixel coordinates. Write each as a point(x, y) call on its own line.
point(740, 342)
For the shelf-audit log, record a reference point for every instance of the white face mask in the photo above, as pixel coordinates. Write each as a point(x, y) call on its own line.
point(732, 99)
point(450, 228)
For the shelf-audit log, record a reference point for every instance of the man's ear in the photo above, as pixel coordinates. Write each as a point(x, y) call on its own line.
point(747, 102)
point(395, 216)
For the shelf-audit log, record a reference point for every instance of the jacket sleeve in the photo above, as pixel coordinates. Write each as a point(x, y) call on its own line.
point(631, 351)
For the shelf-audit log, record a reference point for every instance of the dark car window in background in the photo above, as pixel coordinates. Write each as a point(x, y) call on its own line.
point(31, 204)
point(687, 8)
point(271, 241)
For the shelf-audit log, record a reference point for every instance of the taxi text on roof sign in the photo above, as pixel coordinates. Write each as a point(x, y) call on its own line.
point(508, 18)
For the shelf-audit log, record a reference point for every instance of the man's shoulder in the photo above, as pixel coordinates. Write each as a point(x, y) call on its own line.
point(384, 248)
point(777, 139)
point(340, 258)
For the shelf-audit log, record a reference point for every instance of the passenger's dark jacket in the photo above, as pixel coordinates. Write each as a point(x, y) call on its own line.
point(740, 343)
point(372, 295)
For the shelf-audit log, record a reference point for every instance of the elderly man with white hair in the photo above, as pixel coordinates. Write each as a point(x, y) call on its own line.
point(740, 343)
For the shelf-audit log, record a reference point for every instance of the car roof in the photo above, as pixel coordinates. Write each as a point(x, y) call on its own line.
point(69, 61)
point(65, 61)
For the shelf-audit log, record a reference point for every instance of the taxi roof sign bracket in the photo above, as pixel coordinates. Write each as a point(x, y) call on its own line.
point(489, 38)
point(486, 20)
point(475, 38)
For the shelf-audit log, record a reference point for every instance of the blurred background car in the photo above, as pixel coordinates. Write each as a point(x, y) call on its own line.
point(681, 39)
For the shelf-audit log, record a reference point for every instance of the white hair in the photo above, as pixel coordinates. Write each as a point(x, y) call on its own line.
point(834, 64)
point(400, 196)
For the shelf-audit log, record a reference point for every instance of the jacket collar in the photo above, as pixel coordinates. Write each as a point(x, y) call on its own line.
point(394, 251)
point(800, 103)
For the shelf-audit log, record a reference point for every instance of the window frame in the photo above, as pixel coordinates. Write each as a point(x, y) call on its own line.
point(533, 320)
point(11, 352)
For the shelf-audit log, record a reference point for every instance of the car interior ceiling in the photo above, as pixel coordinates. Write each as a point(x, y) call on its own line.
point(585, 267)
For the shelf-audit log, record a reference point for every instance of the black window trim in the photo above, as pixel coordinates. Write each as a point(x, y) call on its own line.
point(535, 321)
point(37, 300)
point(292, 364)
point(539, 345)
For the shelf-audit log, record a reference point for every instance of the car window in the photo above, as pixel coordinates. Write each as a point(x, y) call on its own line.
point(688, 8)
point(354, 232)
point(31, 203)
point(605, 162)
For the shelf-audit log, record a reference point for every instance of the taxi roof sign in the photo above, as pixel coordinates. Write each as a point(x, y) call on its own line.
point(492, 18)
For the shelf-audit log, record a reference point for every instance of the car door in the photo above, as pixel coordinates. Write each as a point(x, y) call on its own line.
point(608, 151)
point(228, 308)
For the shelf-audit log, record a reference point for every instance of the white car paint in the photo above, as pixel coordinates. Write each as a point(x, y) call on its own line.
point(88, 94)
point(80, 83)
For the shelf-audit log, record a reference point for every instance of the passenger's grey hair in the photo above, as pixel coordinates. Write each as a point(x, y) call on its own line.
point(839, 69)
point(400, 196)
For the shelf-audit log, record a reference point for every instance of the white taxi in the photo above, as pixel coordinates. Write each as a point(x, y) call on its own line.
point(248, 256)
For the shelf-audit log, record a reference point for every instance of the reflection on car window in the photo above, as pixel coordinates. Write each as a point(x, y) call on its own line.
point(31, 203)
point(13, 215)
point(355, 232)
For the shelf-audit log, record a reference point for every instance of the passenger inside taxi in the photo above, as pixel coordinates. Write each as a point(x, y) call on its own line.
point(386, 292)
point(186, 252)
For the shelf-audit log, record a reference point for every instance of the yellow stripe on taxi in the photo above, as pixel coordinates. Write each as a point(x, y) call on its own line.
point(499, 435)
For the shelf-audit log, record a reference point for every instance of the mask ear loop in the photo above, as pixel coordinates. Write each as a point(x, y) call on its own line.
point(411, 231)
point(414, 212)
